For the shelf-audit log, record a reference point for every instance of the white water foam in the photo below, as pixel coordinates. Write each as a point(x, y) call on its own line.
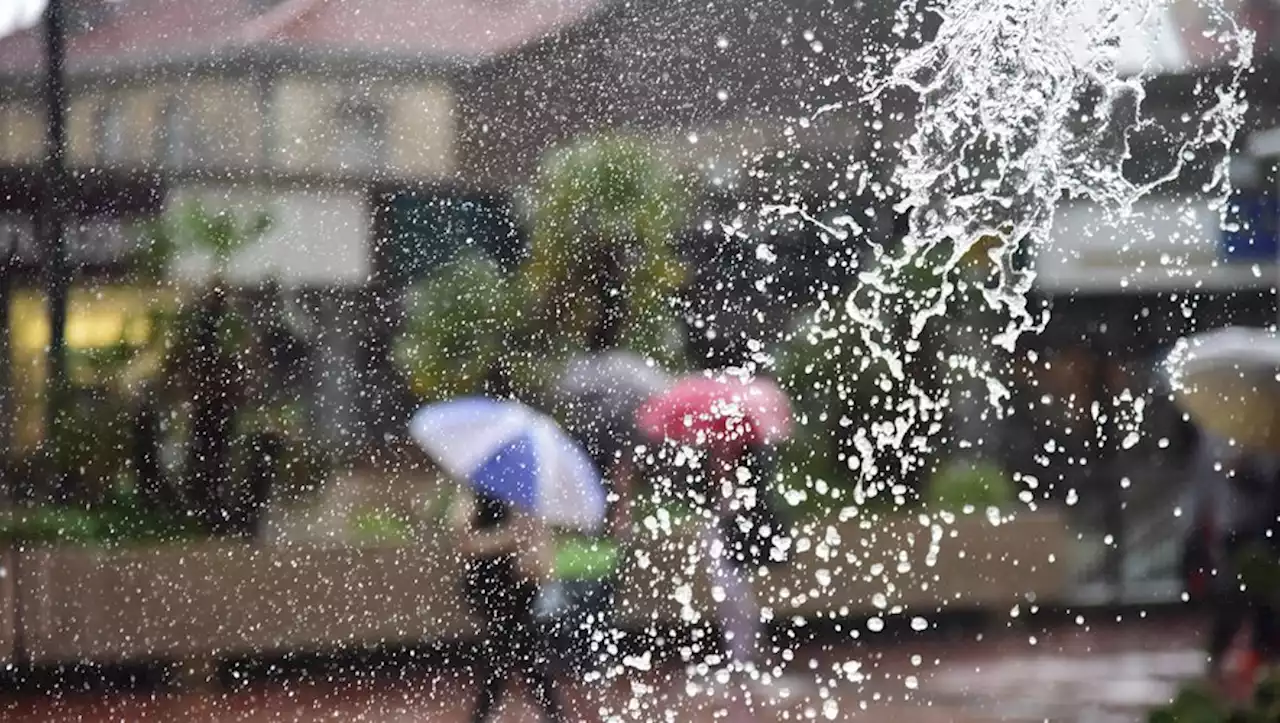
point(1022, 103)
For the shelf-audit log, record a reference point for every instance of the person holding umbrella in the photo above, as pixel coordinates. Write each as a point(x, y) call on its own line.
point(1228, 382)
point(1237, 499)
point(521, 475)
point(599, 393)
point(733, 420)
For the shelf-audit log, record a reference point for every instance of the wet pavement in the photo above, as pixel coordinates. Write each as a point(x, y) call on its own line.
point(1018, 675)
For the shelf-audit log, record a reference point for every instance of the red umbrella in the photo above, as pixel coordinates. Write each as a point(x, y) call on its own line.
point(722, 412)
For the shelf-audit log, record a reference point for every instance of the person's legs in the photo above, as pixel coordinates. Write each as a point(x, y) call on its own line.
point(738, 616)
point(1230, 612)
point(1266, 628)
point(492, 679)
point(530, 657)
point(538, 677)
point(587, 630)
point(497, 654)
point(735, 603)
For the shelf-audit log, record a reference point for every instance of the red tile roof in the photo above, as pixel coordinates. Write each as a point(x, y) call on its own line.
point(427, 29)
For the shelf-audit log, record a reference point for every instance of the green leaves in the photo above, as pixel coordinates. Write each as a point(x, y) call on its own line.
point(963, 482)
point(221, 233)
point(1197, 704)
point(218, 233)
point(605, 196)
point(381, 527)
point(605, 219)
point(459, 323)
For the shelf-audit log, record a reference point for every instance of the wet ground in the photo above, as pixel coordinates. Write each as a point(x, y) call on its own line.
point(1017, 675)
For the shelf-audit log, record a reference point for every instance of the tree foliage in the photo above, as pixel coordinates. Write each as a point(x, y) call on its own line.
point(460, 323)
point(219, 234)
point(606, 213)
point(869, 387)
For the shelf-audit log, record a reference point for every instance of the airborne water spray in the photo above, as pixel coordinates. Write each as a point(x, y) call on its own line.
point(1021, 104)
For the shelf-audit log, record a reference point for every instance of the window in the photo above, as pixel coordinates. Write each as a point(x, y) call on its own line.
point(112, 131)
point(361, 129)
point(89, 15)
point(427, 230)
point(180, 135)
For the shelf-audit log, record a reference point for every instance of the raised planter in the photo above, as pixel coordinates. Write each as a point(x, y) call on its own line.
point(228, 599)
point(217, 599)
point(856, 567)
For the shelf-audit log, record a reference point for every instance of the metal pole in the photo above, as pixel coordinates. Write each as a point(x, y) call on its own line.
point(53, 214)
point(8, 255)
point(1113, 517)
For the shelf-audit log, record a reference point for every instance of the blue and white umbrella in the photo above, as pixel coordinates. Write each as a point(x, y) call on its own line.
point(515, 454)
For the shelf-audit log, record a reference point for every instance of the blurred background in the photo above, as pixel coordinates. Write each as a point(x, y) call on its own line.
point(333, 213)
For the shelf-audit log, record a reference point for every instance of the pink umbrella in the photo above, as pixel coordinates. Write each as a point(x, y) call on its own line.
point(721, 412)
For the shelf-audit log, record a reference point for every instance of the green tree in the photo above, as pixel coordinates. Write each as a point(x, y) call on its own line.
point(459, 323)
point(870, 417)
point(209, 349)
point(604, 270)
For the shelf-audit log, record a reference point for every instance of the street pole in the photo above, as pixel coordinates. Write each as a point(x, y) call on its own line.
point(1105, 470)
point(8, 408)
point(52, 224)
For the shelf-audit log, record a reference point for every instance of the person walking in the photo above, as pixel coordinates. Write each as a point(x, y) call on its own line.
point(1235, 510)
point(587, 569)
point(506, 556)
point(739, 541)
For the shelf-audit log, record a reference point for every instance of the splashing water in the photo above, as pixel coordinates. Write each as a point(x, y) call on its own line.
point(1021, 104)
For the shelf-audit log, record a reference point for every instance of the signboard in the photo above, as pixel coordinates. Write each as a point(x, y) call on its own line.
point(1186, 36)
point(1250, 233)
point(317, 238)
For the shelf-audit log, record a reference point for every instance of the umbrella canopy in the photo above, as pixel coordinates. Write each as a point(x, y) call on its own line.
point(722, 412)
point(515, 454)
point(601, 393)
point(1228, 381)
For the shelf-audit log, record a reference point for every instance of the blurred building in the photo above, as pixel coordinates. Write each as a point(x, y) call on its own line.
point(317, 112)
point(384, 135)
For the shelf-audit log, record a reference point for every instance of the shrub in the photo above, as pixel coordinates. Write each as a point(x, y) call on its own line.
point(967, 483)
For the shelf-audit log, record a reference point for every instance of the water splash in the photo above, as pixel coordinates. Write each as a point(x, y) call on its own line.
point(1022, 103)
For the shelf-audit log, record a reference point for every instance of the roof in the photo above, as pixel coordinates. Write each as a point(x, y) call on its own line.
point(153, 31)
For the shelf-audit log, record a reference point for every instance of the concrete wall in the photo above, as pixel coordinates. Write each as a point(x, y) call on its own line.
point(226, 598)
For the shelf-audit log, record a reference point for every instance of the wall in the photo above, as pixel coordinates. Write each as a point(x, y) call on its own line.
point(419, 131)
point(21, 133)
point(227, 598)
point(233, 122)
point(318, 237)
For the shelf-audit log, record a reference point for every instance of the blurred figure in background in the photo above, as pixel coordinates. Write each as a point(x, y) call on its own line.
point(740, 541)
point(501, 586)
point(1235, 506)
point(587, 568)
